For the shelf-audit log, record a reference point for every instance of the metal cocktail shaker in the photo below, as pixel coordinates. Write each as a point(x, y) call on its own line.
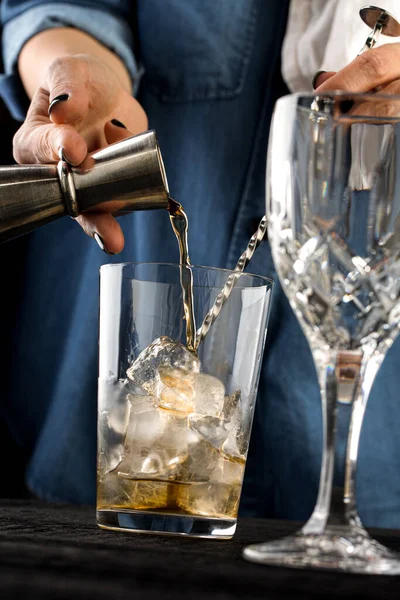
point(126, 176)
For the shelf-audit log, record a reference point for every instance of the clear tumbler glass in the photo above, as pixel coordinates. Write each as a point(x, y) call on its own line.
point(173, 425)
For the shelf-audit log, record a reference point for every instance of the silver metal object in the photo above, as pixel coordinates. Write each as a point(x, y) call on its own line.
point(224, 294)
point(126, 176)
point(381, 22)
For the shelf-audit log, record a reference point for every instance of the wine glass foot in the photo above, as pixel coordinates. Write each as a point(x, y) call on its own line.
point(337, 549)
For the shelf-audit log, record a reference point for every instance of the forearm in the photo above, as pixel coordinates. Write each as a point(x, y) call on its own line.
point(39, 52)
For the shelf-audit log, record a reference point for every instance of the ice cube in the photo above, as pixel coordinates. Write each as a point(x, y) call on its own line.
point(163, 352)
point(112, 397)
point(235, 445)
point(185, 391)
point(200, 461)
point(118, 413)
point(155, 443)
point(112, 422)
point(110, 440)
point(211, 429)
point(208, 395)
point(207, 435)
point(108, 460)
point(174, 389)
point(115, 492)
point(213, 481)
point(219, 497)
point(227, 435)
point(146, 422)
point(231, 407)
point(210, 500)
point(149, 494)
point(228, 471)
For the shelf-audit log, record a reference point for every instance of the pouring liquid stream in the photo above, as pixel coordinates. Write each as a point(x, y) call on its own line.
point(179, 222)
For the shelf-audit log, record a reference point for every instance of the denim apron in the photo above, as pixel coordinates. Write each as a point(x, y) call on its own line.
point(212, 75)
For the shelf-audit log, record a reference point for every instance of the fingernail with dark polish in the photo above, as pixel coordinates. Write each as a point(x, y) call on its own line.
point(118, 123)
point(60, 98)
point(315, 78)
point(101, 244)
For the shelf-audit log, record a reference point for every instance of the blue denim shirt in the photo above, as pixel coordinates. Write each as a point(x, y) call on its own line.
point(109, 22)
point(211, 77)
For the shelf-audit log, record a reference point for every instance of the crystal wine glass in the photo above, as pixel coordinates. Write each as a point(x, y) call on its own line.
point(333, 203)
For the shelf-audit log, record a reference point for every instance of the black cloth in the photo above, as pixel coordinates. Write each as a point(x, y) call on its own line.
point(57, 551)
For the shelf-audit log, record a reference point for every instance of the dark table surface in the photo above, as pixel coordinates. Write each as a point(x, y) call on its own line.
point(57, 551)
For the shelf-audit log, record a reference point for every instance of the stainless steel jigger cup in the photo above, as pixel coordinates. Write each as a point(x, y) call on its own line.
point(126, 176)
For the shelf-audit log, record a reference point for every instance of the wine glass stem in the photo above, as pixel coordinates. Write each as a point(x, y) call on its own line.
point(346, 379)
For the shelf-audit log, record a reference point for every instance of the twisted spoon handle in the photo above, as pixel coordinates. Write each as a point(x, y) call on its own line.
point(224, 294)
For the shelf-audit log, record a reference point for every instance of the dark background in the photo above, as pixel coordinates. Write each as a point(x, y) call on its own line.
point(13, 458)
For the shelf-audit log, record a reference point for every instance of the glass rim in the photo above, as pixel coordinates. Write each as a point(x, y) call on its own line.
point(264, 278)
point(341, 94)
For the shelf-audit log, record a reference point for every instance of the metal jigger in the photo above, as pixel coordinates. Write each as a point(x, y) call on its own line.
point(126, 176)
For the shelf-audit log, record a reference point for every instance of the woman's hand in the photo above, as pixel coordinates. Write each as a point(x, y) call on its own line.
point(81, 106)
point(378, 68)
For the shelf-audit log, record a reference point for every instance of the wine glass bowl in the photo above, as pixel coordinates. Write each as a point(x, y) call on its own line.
point(333, 206)
point(335, 243)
